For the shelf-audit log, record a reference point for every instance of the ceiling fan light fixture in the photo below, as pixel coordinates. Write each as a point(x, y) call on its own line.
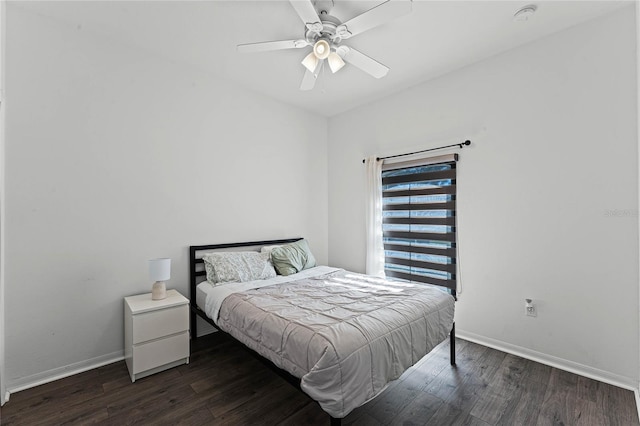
point(310, 62)
point(324, 33)
point(322, 49)
point(335, 62)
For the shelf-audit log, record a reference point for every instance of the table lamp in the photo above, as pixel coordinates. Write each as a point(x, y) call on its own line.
point(159, 271)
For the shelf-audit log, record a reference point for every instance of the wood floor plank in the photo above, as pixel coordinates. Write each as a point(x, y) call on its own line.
point(197, 416)
point(363, 420)
point(219, 375)
point(524, 407)
point(427, 370)
point(447, 414)
point(51, 387)
point(229, 396)
point(152, 409)
point(192, 413)
point(474, 421)
point(447, 381)
point(387, 405)
point(475, 380)
point(452, 416)
point(310, 414)
point(619, 401)
point(418, 411)
point(233, 395)
point(128, 398)
point(493, 402)
point(119, 381)
point(538, 372)
point(355, 415)
point(86, 418)
point(266, 408)
point(587, 413)
point(588, 389)
point(54, 405)
point(558, 406)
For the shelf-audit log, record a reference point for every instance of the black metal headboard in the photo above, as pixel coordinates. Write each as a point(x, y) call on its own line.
point(194, 273)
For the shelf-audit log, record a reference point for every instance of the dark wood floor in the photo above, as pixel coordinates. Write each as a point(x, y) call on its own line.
point(224, 384)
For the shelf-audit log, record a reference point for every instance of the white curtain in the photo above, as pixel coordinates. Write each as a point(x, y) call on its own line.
point(375, 250)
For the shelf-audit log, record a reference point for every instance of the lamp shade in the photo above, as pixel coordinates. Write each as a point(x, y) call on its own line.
point(310, 62)
point(160, 269)
point(335, 62)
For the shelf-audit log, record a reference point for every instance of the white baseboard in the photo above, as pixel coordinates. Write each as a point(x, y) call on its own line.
point(62, 372)
point(637, 394)
point(562, 364)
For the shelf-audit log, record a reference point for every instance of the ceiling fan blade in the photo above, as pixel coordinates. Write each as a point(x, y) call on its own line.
point(308, 14)
point(381, 14)
point(309, 79)
point(266, 46)
point(362, 61)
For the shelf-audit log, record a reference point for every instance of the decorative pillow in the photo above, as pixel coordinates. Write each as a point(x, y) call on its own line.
point(225, 267)
point(291, 258)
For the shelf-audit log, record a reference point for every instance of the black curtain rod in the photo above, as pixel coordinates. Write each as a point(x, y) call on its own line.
point(461, 145)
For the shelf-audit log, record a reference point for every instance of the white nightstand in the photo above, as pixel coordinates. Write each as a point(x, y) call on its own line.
point(156, 333)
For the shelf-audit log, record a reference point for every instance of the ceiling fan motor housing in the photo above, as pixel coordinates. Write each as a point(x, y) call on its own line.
point(328, 32)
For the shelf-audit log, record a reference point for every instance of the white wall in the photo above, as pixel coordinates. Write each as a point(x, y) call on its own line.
point(637, 6)
point(114, 157)
point(2, 214)
point(548, 192)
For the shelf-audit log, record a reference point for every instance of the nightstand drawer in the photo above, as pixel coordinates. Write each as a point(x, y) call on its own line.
point(160, 352)
point(152, 325)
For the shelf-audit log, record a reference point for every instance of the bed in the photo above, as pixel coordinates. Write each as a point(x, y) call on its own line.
point(340, 336)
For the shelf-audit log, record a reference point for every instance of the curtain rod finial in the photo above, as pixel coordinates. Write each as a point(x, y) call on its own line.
point(467, 142)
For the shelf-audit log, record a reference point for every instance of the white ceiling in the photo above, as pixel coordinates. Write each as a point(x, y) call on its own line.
point(435, 38)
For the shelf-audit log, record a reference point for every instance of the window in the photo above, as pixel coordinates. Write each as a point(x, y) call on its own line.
point(419, 221)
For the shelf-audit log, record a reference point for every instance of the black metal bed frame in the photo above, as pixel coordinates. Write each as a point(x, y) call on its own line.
point(196, 312)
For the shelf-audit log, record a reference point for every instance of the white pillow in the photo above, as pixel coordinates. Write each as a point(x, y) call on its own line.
point(224, 267)
point(267, 249)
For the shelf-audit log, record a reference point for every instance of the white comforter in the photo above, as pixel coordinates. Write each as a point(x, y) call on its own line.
point(345, 335)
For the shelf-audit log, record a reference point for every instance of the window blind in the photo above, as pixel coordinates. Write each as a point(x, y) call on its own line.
point(419, 221)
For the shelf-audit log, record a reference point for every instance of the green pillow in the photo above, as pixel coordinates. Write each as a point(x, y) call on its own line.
point(291, 258)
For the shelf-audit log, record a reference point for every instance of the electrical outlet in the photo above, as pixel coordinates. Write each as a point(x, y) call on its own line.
point(530, 308)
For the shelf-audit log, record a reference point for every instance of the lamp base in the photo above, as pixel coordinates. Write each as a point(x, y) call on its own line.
point(158, 291)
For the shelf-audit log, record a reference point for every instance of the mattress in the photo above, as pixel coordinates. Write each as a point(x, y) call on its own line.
point(345, 335)
point(202, 290)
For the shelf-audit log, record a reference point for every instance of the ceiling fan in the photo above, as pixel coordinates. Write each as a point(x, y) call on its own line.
point(326, 33)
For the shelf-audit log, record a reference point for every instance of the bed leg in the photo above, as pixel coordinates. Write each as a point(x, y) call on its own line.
point(335, 422)
point(452, 344)
point(194, 325)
